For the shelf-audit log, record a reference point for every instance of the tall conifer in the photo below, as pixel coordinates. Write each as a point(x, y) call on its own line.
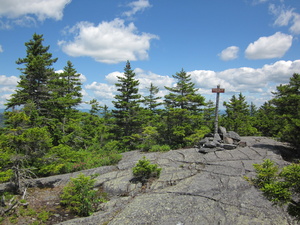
point(127, 103)
point(37, 69)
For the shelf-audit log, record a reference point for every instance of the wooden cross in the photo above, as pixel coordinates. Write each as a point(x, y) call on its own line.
point(217, 90)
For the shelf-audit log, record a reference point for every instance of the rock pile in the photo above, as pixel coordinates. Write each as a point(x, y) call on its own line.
point(222, 140)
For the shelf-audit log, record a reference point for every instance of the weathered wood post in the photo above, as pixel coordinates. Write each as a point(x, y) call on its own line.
point(217, 90)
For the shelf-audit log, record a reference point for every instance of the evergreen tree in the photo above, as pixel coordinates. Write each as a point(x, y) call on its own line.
point(184, 95)
point(287, 102)
point(65, 93)
point(267, 121)
point(127, 104)
point(182, 118)
point(151, 100)
point(237, 116)
point(35, 75)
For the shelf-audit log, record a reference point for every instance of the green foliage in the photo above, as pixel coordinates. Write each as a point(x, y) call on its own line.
point(267, 173)
point(33, 81)
point(5, 175)
point(144, 170)
point(78, 195)
point(151, 101)
point(287, 102)
point(280, 187)
point(63, 159)
point(197, 135)
point(159, 148)
point(184, 95)
point(127, 104)
point(238, 117)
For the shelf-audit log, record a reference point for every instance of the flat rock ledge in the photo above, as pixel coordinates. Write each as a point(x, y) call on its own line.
point(193, 188)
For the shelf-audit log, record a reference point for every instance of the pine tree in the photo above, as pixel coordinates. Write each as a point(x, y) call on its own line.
point(127, 103)
point(287, 102)
point(237, 116)
point(65, 93)
point(184, 95)
point(151, 100)
point(267, 121)
point(32, 86)
point(183, 116)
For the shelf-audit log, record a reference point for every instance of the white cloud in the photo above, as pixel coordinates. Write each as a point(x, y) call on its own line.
point(147, 77)
point(229, 53)
point(246, 79)
point(285, 17)
point(137, 6)
point(295, 28)
point(42, 9)
point(255, 84)
point(112, 78)
point(7, 87)
point(108, 42)
point(1, 49)
point(8, 81)
point(274, 46)
point(26, 12)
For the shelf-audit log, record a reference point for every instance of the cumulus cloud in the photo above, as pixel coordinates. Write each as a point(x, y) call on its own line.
point(229, 53)
point(1, 49)
point(255, 83)
point(7, 87)
point(8, 81)
point(274, 46)
point(102, 90)
point(246, 79)
point(137, 6)
point(108, 42)
point(26, 12)
point(285, 17)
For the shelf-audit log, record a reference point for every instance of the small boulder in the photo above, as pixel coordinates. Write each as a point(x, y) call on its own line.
point(228, 140)
point(210, 144)
point(229, 146)
point(235, 136)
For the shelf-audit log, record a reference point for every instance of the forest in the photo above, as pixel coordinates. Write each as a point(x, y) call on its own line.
point(43, 133)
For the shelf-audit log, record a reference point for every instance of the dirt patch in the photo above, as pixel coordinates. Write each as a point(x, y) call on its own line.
point(42, 207)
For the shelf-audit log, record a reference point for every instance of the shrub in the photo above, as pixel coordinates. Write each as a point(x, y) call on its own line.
point(280, 187)
point(78, 195)
point(160, 148)
point(144, 170)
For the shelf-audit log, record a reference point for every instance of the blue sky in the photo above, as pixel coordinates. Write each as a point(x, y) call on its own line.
point(248, 46)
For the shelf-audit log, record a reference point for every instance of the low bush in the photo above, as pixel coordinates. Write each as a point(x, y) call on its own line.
point(78, 195)
point(144, 170)
point(160, 148)
point(280, 187)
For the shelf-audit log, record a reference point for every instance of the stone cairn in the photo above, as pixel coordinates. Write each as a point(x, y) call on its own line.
point(220, 141)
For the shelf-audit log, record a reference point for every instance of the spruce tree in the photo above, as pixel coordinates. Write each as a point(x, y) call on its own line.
point(32, 86)
point(127, 104)
point(182, 116)
point(184, 95)
point(65, 93)
point(237, 116)
point(287, 102)
point(151, 101)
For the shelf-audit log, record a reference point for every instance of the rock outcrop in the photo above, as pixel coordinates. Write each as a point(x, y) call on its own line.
point(220, 141)
point(193, 188)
